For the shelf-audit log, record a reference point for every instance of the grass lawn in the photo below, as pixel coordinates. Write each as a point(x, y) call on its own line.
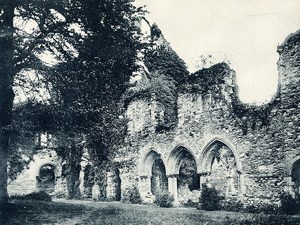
point(102, 213)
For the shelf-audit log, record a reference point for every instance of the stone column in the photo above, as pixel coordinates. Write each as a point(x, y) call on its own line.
point(110, 188)
point(172, 186)
point(58, 187)
point(289, 188)
point(145, 186)
point(230, 184)
point(81, 181)
point(241, 184)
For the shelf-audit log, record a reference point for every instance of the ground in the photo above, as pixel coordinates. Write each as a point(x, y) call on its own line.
point(67, 212)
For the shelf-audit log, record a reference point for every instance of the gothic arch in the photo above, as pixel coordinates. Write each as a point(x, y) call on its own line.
point(173, 164)
point(220, 167)
point(148, 161)
point(207, 154)
point(153, 177)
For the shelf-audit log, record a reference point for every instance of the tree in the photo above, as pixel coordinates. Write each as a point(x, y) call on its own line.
point(7, 72)
point(93, 44)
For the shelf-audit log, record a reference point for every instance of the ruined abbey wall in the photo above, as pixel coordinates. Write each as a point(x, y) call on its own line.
point(264, 140)
point(249, 153)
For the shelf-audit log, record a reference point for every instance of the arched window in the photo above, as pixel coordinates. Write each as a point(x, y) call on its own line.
point(46, 178)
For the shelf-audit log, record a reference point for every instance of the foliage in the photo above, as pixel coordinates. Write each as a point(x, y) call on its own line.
point(164, 71)
point(164, 199)
point(190, 204)
point(93, 47)
point(36, 196)
point(289, 205)
point(161, 58)
point(88, 87)
point(30, 119)
point(210, 199)
point(132, 195)
point(232, 205)
point(208, 80)
point(88, 180)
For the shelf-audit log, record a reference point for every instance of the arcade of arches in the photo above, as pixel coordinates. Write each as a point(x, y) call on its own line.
point(183, 176)
point(247, 152)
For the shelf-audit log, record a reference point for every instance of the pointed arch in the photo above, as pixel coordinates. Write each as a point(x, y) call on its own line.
point(207, 154)
point(220, 167)
point(174, 160)
point(147, 162)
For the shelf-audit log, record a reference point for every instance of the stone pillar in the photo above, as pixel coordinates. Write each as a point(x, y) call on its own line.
point(172, 186)
point(81, 181)
point(58, 186)
point(289, 187)
point(110, 188)
point(145, 186)
point(241, 184)
point(230, 190)
point(96, 192)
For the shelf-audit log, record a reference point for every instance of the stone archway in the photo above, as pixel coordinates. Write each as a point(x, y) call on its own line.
point(220, 169)
point(295, 176)
point(159, 180)
point(182, 174)
point(153, 177)
point(46, 178)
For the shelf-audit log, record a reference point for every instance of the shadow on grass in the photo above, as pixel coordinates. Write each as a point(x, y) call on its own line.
point(38, 212)
point(60, 213)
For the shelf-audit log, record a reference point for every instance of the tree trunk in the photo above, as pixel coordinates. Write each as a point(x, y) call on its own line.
point(7, 73)
point(73, 167)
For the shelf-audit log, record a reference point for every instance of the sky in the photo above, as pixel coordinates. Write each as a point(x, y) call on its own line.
point(246, 32)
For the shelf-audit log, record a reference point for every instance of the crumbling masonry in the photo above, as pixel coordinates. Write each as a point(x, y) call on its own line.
point(249, 153)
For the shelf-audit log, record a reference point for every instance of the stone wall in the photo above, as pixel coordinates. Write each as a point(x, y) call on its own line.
point(263, 139)
point(26, 181)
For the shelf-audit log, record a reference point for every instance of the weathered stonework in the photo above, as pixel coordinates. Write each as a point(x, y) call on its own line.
point(248, 153)
point(28, 180)
point(264, 145)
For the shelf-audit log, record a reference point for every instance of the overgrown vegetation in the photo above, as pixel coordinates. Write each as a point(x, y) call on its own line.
point(164, 199)
point(211, 81)
point(132, 195)
point(92, 59)
point(166, 71)
point(210, 199)
point(35, 196)
point(290, 205)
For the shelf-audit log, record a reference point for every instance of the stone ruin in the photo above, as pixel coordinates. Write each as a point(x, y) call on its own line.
point(248, 153)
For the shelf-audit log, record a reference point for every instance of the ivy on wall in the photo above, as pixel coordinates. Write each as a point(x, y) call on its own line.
point(166, 71)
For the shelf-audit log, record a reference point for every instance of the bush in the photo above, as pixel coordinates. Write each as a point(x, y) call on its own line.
point(261, 208)
point(132, 196)
point(210, 199)
point(190, 204)
point(36, 196)
point(289, 205)
point(232, 205)
point(164, 199)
